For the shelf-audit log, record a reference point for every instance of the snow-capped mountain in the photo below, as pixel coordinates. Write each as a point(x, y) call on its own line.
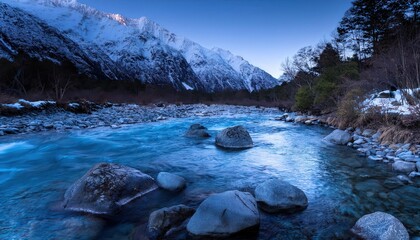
point(115, 47)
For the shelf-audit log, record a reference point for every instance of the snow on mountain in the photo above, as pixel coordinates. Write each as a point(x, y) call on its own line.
point(122, 47)
point(23, 33)
point(218, 68)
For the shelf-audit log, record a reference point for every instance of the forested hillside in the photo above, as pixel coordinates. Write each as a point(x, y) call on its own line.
point(375, 47)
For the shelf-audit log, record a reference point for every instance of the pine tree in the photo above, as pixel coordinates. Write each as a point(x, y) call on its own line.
point(369, 22)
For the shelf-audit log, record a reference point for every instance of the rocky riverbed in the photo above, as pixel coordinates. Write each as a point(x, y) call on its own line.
point(113, 115)
point(38, 170)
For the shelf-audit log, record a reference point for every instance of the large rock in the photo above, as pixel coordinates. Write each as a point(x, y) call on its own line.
point(163, 220)
point(223, 214)
point(106, 187)
point(280, 196)
point(402, 166)
point(368, 132)
point(170, 181)
point(301, 119)
point(234, 137)
point(338, 137)
point(197, 131)
point(380, 226)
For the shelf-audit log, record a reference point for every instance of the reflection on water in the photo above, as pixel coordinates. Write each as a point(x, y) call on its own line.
point(35, 171)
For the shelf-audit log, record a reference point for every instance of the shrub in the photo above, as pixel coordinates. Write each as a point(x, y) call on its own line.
point(304, 99)
point(349, 108)
point(395, 134)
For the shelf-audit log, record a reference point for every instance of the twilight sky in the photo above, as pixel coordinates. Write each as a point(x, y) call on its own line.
point(264, 32)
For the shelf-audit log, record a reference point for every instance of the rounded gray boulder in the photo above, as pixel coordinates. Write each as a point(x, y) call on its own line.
point(170, 181)
point(279, 196)
point(163, 220)
point(339, 137)
point(197, 131)
point(380, 226)
point(234, 137)
point(403, 166)
point(224, 214)
point(106, 187)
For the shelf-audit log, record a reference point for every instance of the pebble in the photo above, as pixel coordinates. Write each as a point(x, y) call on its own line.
point(375, 158)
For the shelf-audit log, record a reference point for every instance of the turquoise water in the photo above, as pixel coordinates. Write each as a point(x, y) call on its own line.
point(35, 171)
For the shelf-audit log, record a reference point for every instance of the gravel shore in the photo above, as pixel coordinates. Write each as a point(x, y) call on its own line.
point(114, 116)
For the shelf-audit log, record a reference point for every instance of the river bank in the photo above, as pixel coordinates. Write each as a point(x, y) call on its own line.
point(52, 118)
point(403, 158)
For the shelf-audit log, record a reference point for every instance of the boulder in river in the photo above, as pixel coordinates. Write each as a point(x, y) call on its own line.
point(280, 196)
point(170, 181)
point(338, 137)
point(224, 214)
point(197, 131)
point(234, 137)
point(106, 187)
point(163, 220)
point(380, 226)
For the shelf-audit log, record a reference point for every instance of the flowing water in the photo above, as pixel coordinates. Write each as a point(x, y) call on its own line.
point(35, 171)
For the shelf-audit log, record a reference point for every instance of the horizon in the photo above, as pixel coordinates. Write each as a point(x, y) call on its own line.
point(313, 22)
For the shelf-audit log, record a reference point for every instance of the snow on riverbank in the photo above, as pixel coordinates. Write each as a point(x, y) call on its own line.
point(23, 104)
point(392, 102)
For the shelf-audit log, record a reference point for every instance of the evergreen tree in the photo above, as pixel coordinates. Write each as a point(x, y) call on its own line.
point(369, 22)
point(329, 57)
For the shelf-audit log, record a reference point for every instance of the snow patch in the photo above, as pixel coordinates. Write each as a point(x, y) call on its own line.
point(394, 102)
point(13, 105)
point(74, 105)
point(8, 46)
point(187, 87)
point(36, 104)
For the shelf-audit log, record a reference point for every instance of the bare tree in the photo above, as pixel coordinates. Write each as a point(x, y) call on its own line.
point(60, 84)
point(19, 79)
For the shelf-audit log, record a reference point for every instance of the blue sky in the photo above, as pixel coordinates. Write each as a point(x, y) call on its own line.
point(264, 32)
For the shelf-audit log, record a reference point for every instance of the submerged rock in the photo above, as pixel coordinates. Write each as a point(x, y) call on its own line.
point(74, 227)
point(224, 214)
point(276, 196)
point(402, 166)
point(170, 181)
point(234, 137)
point(197, 130)
point(338, 137)
point(163, 220)
point(380, 226)
point(106, 187)
point(414, 174)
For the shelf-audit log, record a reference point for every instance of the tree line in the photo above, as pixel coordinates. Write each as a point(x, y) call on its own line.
point(376, 46)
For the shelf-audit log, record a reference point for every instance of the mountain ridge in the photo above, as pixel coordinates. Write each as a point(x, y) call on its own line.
point(140, 49)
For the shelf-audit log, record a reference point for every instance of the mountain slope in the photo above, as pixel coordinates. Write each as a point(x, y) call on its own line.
point(23, 33)
point(218, 68)
point(127, 48)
